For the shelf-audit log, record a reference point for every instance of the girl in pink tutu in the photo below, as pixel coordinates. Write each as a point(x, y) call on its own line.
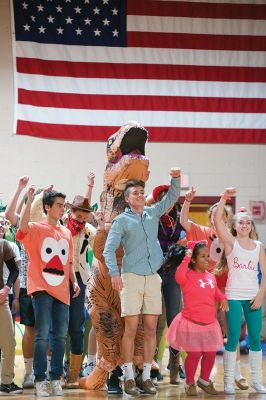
point(196, 329)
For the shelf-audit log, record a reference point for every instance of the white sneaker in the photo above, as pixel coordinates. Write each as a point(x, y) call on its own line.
point(28, 381)
point(259, 387)
point(42, 389)
point(229, 389)
point(56, 388)
point(88, 369)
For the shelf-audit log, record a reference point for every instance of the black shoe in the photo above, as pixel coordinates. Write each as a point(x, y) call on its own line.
point(113, 385)
point(11, 389)
point(182, 374)
point(159, 376)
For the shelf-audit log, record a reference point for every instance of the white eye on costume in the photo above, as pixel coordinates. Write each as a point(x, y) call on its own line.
point(216, 249)
point(63, 250)
point(49, 249)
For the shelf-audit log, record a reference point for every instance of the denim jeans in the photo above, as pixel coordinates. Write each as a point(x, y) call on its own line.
point(48, 312)
point(171, 293)
point(76, 326)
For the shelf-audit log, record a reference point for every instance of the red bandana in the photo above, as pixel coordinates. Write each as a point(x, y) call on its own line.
point(166, 220)
point(74, 226)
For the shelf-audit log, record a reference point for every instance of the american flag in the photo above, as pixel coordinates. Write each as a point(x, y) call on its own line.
point(189, 71)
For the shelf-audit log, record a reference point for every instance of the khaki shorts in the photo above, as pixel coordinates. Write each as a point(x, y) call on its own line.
point(141, 294)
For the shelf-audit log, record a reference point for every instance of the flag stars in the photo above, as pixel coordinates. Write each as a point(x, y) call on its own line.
point(69, 20)
point(42, 29)
point(87, 2)
point(96, 10)
point(60, 31)
point(97, 32)
point(114, 11)
point(78, 10)
point(106, 22)
point(105, 1)
point(87, 21)
point(33, 18)
point(26, 27)
point(24, 5)
point(115, 33)
point(59, 9)
point(40, 7)
point(78, 31)
point(50, 19)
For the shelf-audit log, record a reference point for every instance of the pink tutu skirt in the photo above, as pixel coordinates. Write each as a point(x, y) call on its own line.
point(185, 335)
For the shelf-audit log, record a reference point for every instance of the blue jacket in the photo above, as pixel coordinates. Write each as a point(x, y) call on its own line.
point(138, 236)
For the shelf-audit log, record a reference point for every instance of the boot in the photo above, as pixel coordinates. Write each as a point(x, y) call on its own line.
point(174, 367)
point(229, 371)
point(255, 360)
point(74, 370)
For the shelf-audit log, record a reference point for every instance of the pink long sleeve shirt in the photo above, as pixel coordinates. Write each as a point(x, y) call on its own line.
point(200, 292)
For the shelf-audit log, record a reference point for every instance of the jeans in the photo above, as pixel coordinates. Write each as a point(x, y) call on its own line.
point(49, 311)
point(171, 293)
point(76, 326)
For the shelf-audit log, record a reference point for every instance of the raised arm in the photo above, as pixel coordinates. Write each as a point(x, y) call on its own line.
point(90, 185)
point(25, 216)
point(222, 231)
point(10, 211)
point(185, 222)
point(172, 194)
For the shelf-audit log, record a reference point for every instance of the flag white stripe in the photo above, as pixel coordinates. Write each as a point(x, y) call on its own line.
point(141, 87)
point(141, 55)
point(147, 118)
point(208, 26)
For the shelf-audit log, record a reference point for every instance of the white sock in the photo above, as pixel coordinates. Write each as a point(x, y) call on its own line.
point(48, 369)
point(129, 372)
point(146, 374)
point(28, 366)
point(237, 370)
point(205, 383)
point(91, 359)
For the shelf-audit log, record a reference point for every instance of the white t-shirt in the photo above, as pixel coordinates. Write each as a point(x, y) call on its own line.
point(242, 282)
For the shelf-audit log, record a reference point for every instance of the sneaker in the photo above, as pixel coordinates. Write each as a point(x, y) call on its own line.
point(182, 374)
point(10, 389)
point(210, 389)
point(241, 383)
point(259, 388)
point(229, 388)
point(88, 369)
point(28, 381)
point(130, 387)
point(42, 389)
point(191, 389)
point(146, 386)
point(113, 385)
point(56, 388)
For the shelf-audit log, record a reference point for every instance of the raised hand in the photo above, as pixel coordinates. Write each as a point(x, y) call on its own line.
point(22, 182)
point(31, 193)
point(228, 193)
point(190, 194)
point(91, 178)
point(175, 172)
point(48, 188)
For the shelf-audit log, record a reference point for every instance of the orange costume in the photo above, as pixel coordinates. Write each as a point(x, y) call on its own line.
point(126, 160)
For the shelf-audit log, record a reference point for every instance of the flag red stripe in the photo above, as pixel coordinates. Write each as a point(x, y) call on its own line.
point(196, 41)
point(196, 9)
point(140, 71)
point(165, 134)
point(156, 103)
